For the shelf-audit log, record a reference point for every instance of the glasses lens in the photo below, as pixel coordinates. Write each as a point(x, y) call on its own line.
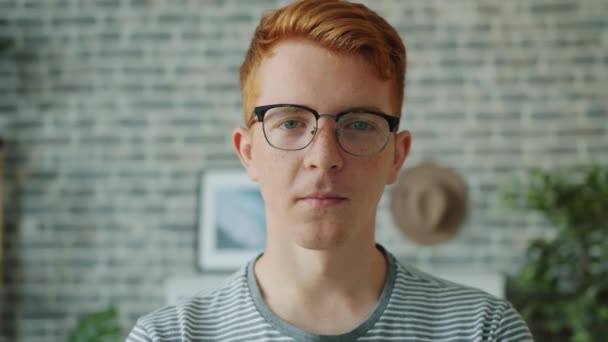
point(363, 134)
point(289, 128)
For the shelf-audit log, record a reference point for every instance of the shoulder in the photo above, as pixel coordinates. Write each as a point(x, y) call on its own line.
point(420, 285)
point(453, 307)
point(201, 313)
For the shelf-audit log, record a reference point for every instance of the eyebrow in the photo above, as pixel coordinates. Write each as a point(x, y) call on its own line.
point(370, 108)
point(348, 109)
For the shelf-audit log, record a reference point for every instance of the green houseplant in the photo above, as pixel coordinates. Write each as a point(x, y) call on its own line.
point(98, 326)
point(562, 289)
point(5, 44)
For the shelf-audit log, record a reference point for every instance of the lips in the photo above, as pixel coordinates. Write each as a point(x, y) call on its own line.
point(324, 199)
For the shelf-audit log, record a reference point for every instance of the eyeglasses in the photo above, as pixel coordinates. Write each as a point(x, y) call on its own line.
point(292, 127)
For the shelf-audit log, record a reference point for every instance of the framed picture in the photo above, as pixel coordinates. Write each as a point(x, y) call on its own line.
point(232, 222)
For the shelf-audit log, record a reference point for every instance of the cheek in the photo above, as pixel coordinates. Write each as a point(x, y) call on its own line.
point(374, 175)
point(275, 163)
point(275, 173)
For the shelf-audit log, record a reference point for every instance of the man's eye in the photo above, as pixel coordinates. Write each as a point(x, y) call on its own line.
point(291, 124)
point(360, 126)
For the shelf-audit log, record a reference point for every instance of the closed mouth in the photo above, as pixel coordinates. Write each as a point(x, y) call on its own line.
point(325, 196)
point(323, 200)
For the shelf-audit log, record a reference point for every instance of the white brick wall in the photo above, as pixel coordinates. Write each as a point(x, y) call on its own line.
point(111, 108)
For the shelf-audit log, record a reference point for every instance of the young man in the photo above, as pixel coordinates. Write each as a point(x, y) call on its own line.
point(322, 91)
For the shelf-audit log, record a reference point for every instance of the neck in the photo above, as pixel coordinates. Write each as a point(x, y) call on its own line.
point(343, 268)
point(302, 285)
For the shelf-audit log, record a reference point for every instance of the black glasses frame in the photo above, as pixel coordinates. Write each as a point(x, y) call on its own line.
point(260, 111)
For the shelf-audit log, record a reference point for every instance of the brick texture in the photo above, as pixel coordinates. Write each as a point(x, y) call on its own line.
point(111, 108)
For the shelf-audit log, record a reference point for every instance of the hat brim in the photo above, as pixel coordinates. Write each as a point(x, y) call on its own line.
point(403, 206)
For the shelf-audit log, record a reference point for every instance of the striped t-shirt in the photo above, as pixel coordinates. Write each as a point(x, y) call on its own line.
point(413, 306)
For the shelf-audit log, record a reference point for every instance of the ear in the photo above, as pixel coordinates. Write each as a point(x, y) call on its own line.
point(241, 142)
point(403, 141)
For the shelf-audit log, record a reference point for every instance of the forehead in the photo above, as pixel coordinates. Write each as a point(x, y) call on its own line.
point(301, 72)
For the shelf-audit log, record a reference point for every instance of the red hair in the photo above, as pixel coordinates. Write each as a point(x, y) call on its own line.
point(337, 25)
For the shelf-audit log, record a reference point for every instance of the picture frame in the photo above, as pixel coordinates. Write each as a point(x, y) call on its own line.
point(231, 220)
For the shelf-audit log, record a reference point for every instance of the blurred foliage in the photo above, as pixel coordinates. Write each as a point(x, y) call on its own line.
point(99, 326)
point(562, 290)
point(5, 44)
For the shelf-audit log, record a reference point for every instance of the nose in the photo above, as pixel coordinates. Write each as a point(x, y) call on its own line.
point(324, 153)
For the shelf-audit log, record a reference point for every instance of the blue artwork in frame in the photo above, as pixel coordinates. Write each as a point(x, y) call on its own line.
point(232, 223)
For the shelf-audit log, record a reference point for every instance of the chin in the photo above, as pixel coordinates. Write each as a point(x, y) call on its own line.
point(321, 238)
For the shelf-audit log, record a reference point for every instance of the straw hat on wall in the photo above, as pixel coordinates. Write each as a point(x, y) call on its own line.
point(429, 203)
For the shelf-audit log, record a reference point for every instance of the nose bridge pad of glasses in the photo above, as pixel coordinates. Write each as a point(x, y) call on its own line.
point(331, 116)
